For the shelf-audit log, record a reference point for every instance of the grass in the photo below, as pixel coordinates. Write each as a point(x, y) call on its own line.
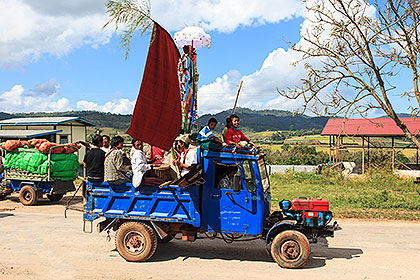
point(377, 195)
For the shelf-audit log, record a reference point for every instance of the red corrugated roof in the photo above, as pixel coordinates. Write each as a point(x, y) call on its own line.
point(383, 127)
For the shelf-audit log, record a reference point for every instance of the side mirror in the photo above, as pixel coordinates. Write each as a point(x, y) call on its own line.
point(237, 183)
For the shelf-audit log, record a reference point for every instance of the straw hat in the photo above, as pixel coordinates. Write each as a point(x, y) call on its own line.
point(184, 138)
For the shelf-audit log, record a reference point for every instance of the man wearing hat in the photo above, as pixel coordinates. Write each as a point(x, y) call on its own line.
point(188, 156)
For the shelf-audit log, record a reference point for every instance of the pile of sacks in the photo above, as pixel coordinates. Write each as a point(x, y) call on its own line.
point(42, 145)
point(34, 159)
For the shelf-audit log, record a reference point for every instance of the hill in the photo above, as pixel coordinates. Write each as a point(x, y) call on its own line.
point(255, 120)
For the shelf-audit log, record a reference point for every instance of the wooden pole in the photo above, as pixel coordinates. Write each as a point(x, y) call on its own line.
point(363, 155)
point(393, 155)
point(237, 97)
point(330, 148)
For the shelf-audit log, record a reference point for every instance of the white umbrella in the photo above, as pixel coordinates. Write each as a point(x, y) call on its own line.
point(192, 36)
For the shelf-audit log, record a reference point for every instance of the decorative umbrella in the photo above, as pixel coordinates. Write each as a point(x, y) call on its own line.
point(192, 36)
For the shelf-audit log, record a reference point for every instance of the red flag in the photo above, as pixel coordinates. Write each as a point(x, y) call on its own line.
point(157, 115)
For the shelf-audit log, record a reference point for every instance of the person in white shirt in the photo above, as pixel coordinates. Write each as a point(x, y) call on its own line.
point(106, 147)
point(140, 166)
point(188, 155)
point(226, 182)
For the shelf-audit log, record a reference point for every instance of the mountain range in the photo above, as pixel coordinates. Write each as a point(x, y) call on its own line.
point(254, 120)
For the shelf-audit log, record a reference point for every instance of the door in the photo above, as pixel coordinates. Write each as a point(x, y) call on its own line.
point(229, 208)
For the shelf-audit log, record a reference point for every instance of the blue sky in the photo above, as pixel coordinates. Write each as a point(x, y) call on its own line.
point(54, 55)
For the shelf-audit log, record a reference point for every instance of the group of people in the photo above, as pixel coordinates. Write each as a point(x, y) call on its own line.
point(232, 134)
point(105, 160)
point(111, 164)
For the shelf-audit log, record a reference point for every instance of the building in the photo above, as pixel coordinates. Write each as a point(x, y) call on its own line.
point(364, 131)
point(59, 130)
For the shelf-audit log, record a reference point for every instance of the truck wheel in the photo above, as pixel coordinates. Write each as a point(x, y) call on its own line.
point(290, 249)
point(27, 195)
point(136, 241)
point(55, 197)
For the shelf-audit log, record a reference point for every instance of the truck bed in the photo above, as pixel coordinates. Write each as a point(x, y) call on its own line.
point(166, 204)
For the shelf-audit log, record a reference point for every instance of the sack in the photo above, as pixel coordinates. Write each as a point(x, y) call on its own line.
point(10, 145)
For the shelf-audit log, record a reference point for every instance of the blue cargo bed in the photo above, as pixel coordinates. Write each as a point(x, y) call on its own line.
point(166, 204)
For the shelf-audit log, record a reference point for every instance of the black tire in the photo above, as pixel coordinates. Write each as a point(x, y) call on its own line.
point(55, 197)
point(27, 195)
point(166, 239)
point(136, 241)
point(290, 249)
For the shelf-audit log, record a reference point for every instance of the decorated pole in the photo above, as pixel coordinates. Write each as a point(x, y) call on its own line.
point(188, 40)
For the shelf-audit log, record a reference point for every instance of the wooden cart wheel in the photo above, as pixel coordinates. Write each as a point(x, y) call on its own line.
point(290, 249)
point(136, 241)
point(55, 197)
point(27, 195)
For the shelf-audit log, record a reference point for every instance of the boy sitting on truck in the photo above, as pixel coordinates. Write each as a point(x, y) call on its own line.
point(94, 160)
point(206, 135)
point(188, 155)
point(235, 136)
point(140, 166)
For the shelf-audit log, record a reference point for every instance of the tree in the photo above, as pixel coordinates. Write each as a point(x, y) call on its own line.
point(134, 15)
point(352, 52)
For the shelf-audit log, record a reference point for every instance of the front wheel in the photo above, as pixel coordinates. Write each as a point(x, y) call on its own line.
point(27, 195)
point(136, 241)
point(55, 197)
point(290, 249)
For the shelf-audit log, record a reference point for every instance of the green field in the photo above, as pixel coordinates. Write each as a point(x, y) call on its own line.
point(377, 195)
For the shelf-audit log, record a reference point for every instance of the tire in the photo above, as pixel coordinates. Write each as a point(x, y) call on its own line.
point(27, 195)
point(290, 249)
point(136, 241)
point(55, 197)
point(166, 239)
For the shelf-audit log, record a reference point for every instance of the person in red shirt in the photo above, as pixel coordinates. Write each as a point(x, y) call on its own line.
point(235, 136)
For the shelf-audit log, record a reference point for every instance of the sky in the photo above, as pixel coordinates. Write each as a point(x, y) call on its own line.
point(55, 55)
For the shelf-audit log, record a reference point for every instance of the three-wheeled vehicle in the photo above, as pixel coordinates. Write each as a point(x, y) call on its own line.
point(145, 216)
point(32, 186)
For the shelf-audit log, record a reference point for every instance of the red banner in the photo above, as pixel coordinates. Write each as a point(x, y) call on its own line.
point(157, 115)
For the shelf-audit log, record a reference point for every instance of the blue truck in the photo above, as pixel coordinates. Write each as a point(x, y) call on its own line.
point(146, 216)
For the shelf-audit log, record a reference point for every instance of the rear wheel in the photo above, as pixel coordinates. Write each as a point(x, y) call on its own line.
point(27, 195)
point(136, 241)
point(55, 197)
point(290, 249)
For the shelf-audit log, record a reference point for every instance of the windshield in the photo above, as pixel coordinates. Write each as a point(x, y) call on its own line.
point(263, 174)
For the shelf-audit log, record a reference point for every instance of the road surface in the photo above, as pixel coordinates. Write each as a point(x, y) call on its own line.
point(37, 242)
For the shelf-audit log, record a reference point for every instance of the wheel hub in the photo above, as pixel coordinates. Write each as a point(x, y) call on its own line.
point(290, 249)
point(135, 242)
point(27, 196)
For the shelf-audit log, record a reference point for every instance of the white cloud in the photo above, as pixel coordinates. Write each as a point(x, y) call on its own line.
point(222, 15)
point(19, 100)
point(117, 106)
point(31, 28)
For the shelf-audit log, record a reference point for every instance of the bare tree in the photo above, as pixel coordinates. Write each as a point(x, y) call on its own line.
point(352, 52)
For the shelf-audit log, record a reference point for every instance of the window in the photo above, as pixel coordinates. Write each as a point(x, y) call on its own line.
point(249, 177)
point(64, 139)
point(223, 176)
point(263, 174)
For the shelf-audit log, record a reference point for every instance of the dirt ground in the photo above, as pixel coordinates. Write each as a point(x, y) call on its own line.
point(37, 242)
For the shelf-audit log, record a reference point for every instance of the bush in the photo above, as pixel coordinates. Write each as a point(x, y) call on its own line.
point(296, 155)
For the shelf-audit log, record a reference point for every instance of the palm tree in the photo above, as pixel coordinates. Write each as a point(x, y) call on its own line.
point(132, 15)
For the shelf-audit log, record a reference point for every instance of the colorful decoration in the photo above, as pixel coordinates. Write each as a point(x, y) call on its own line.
point(188, 40)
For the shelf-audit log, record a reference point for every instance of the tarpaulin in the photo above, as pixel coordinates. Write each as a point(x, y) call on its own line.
point(157, 115)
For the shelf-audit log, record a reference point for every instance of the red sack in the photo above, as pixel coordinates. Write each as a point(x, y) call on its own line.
point(11, 145)
point(37, 142)
point(46, 146)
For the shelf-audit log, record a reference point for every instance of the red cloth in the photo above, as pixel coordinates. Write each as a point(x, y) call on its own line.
point(235, 136)
point(157, 115)
point(158, 153)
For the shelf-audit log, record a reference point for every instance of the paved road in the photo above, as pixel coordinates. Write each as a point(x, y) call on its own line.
point(39, 243)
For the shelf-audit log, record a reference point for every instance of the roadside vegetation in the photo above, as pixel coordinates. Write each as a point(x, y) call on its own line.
point(376, 195)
